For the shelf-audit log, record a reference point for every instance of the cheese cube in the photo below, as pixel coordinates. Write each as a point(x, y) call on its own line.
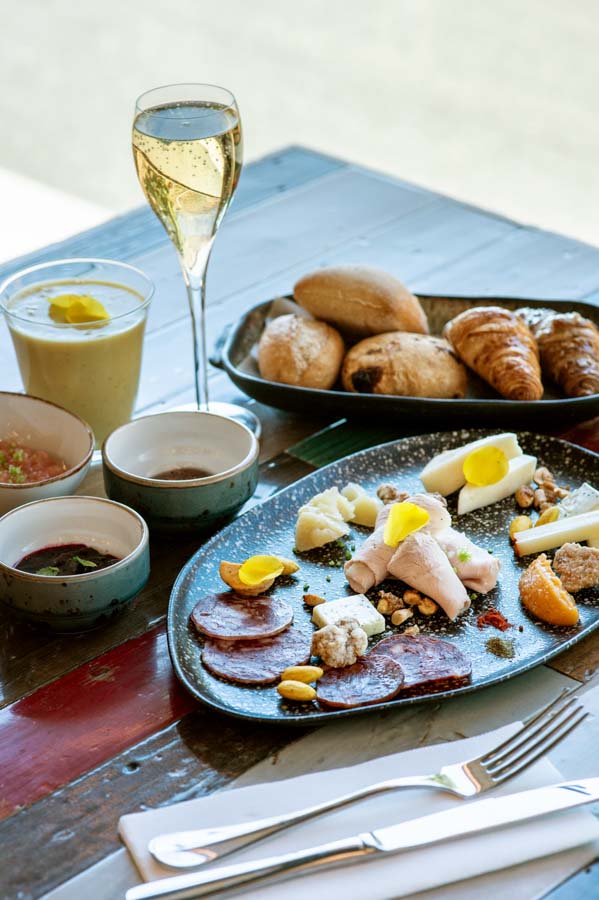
point(356, 607)
point(444, 473)
point(366, 506)
point(521, 469)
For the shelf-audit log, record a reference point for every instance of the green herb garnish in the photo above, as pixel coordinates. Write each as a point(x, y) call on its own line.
point(15, 475)
point(347, 554)
point(2, 458)
point(18, 455)
point(464, 555)
point(48, 570)
point(328, 578)
point(86, 563)
point(306, 587)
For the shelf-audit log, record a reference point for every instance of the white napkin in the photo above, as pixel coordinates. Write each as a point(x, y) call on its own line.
point(381, 879)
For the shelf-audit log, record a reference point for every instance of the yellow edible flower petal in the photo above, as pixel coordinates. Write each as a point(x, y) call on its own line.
point(259, 568)
point(63, 301)
point(403, 519)
point(77, 308)
point(487, 465)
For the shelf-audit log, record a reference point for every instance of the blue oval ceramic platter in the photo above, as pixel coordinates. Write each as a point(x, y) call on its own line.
point(269, 528)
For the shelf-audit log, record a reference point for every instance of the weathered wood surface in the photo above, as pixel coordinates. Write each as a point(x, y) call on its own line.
point(294, 211)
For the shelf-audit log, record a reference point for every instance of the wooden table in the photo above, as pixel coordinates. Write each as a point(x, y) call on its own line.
point(95, 725)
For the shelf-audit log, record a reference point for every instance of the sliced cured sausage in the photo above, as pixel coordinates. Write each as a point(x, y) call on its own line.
point(372, 679)
point(257, 662)
point(231, 617)
point(429, 664)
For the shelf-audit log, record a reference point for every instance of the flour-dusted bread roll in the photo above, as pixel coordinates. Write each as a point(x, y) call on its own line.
point(299, 351)
point(409, 365)
point(360, 301)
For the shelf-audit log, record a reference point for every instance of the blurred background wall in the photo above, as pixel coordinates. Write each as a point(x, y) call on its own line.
point(491, 102)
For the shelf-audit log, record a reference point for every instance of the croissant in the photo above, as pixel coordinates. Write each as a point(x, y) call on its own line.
point(569, 349)
point(500, 348)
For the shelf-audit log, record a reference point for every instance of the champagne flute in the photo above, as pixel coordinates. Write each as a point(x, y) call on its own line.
point(188, 149)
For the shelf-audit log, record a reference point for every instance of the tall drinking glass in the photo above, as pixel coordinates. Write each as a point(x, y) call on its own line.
point(188, 151)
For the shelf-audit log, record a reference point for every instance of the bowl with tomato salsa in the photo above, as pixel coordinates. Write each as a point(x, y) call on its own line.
point(72, 563)
point(45, 451)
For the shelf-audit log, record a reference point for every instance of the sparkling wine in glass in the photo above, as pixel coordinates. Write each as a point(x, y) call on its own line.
point(188, 151)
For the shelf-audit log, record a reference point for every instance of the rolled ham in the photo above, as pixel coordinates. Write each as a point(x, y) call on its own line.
point(370, 564)
point(421, 563)
point(475, 567)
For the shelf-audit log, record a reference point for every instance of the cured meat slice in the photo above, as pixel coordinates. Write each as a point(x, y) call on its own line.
point(372, 679)
point(230, 617)
point(257, 662)
point(429, 664)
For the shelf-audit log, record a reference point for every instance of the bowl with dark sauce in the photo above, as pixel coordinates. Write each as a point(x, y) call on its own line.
point(45, 451)
point(72, 563)
point(182, 471)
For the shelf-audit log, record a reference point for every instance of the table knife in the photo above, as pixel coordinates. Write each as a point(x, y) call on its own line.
point(473, 818)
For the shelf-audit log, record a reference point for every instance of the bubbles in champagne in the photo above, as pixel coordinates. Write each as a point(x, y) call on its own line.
point(188, 158)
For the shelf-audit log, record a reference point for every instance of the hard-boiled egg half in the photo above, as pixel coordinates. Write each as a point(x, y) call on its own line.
point(487, 470)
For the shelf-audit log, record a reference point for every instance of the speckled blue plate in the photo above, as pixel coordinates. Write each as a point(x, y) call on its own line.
point(269, 528)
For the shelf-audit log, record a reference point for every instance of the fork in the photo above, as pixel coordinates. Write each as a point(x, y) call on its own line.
point(539, 733)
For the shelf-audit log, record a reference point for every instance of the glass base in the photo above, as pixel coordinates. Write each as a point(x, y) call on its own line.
point(229, 410)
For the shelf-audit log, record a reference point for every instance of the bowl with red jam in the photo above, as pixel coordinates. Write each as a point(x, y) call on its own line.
point(182, 471)
point(45, 451)
point(72, 563)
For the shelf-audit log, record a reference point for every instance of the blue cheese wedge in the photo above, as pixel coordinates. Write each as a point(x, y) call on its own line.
point(356, 607)
point(583, 499)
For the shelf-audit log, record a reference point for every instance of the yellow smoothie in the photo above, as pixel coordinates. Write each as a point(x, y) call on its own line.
point(91, 368)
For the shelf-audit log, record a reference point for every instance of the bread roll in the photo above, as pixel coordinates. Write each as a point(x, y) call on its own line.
point(299, 351)
point(409, 365)
point(360, 301)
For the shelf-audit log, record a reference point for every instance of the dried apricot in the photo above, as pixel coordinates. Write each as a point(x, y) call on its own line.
point(543, 594)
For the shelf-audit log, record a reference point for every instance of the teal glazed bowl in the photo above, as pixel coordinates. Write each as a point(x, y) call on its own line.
point(73, 602)
point(225, 451)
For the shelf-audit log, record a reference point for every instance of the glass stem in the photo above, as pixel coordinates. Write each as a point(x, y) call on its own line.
point(195, 282)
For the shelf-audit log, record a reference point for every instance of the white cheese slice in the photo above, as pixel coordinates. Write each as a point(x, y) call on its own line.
point(546, 537)
point(521, 470)
point(356, 607)
point(582, 500)
point(444, 473)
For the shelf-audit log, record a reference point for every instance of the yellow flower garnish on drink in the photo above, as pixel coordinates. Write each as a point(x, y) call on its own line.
point(487, 465)
point(404, 519)
point(77, 308)
point(257, 569)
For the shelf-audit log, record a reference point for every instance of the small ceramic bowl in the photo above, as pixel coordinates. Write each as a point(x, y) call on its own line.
point(73, 602)
point(136, 452)
point(43, 426)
